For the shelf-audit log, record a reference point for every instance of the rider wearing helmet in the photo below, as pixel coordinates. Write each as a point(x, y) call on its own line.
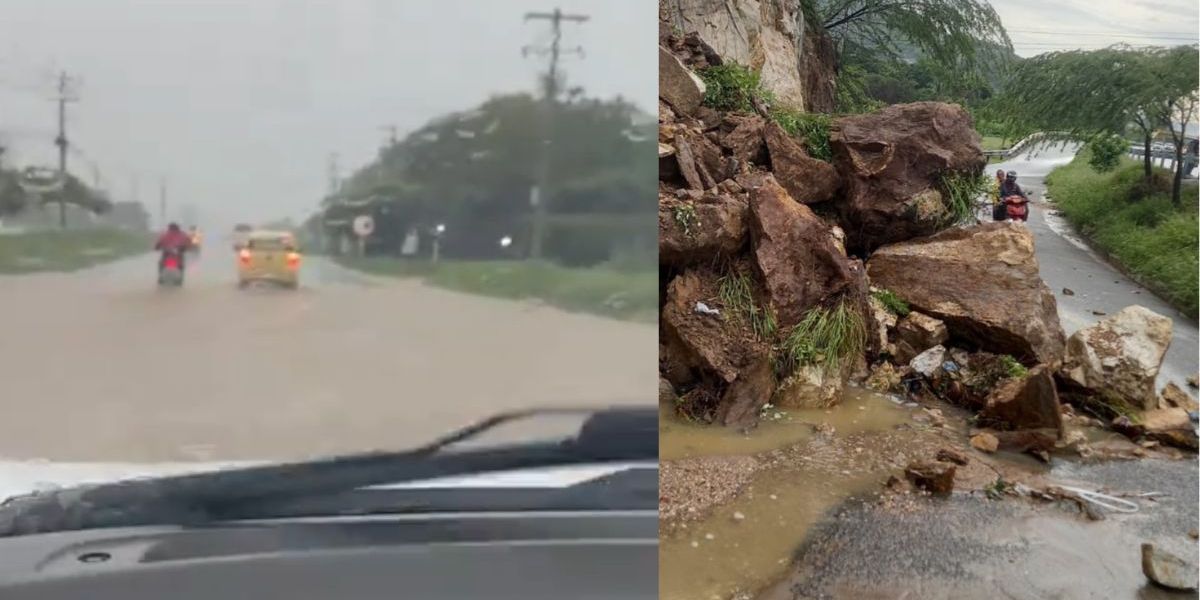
point(1014, 197)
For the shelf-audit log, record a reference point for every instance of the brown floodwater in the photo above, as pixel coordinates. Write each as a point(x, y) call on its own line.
point(749, 542)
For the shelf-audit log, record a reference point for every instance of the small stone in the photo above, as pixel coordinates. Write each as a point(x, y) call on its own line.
point(1167, 570)
point(773, 497)
point(952, 456)
point(1194, 533)
point(737, 516)
point(709, 536)
point(1194, 381)
point(695, 544)
point(985, 442)
point(933, 477)
point(1099, 313)
point(1068, 292)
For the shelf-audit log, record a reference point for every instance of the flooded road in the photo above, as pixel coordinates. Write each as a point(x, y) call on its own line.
point(101, 365)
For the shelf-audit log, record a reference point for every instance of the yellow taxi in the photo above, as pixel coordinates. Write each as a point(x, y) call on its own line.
point(269, 256)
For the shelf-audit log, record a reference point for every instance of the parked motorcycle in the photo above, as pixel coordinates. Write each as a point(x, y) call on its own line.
point(170, 269)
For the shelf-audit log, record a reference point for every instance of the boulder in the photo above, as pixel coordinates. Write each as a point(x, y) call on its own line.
point(917, 333)
point(985, 442)
point(1033, 441)
point(728, 359)
point(678, 86)
point(700, 162)
point(1028, 402)
point(929, 362)
point(1174, 397)
point(953, 456)
point(1169, 426)
point(811, 386)
point(882, 322)
point(892, 162)
point(795, 254)
point(807, 179)
point(666, 392)
point(1168, 570)
point(934, 477)
point(983, 283)
point(691, 232)
point(744, 139)
point(1119, 356)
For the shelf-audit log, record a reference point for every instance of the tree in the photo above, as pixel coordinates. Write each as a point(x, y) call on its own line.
point(1106, 151)
point(1177, 74)
point(1084, 93)
point(958, 34)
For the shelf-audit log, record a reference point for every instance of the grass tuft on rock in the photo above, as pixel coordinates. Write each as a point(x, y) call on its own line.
point(812, 128)
point(960, 192)
point(737, 295)
point(825, 336)
point(1013, 367)
point(731, 87)
point(893, 303)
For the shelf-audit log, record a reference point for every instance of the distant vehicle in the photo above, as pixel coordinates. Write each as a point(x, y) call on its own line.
point(269, 256)
point(170, 272)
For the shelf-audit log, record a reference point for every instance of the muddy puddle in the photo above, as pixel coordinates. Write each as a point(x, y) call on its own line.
point(860, 411)
point(750, 541)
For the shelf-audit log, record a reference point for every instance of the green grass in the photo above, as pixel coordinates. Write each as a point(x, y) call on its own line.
point(813, 128)
point(993, 142)
point(895, 304)
point(825, 336)
point(685, 216)
point(69, 250)
point(961, 192)
point(1135, 224)
point(731, 87)
point(1012, 367)
point(603, 291)
point(738, 297)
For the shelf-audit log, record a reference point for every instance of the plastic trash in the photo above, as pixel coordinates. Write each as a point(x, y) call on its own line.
point(704, 309)
point(1104, 500)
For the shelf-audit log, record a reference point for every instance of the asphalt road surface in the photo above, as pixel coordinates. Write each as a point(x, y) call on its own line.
point(1066, 262)
point(101, 365)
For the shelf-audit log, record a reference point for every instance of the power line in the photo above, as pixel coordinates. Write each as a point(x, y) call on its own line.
point(539, 195)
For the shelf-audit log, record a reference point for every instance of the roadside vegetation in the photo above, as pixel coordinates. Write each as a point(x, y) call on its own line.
point(67, 250)
point(603, 290)
point(1135, 223)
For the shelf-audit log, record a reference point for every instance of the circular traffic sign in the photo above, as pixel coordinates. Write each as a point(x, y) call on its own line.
point(364, 225)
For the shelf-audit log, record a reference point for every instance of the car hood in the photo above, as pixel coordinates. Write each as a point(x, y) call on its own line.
point(25, 477)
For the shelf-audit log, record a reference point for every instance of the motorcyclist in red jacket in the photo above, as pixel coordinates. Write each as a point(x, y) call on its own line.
point(173, 239)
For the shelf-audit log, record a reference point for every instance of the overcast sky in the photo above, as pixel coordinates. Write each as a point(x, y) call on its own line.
point(238, 103)
point(1039, 26)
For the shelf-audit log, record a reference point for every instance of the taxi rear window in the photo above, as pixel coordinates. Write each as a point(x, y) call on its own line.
point(269, 244)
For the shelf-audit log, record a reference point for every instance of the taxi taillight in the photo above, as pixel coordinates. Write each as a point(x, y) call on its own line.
point(244, 256)
point(293, 260)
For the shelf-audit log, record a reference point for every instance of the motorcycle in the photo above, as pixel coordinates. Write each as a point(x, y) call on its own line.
point(170, 269)
point(1017, 207)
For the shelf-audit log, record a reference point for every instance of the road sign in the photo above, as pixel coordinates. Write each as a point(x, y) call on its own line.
point(364, 225)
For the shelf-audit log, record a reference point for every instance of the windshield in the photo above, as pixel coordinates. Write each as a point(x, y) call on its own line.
point(478, 235)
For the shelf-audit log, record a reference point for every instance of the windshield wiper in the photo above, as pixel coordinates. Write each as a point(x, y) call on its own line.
point(608, 435)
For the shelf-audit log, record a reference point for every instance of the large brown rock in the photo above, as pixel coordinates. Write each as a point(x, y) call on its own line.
point(744, 139)
point(700, 161)
point(795, 252)
point(916, 333)
point(691, 232)
point(1169, 426)
point(892, 161)
point(811, 386)
point(1173, 396)
point(725, 357)
point(807, 179)
point(983, 283)
point(934, 477)
point(1119, 357)
point(1029, 402)
point(678, 85)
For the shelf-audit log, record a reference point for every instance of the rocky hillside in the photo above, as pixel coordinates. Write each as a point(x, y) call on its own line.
point(785, 277)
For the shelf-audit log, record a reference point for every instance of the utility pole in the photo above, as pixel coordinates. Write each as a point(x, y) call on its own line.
point(539, 195)
point(334, 178)
point(162, 201)
point(64, 96)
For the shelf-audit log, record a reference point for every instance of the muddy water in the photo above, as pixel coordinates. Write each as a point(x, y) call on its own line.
point(859, 411)
point(749, 542)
